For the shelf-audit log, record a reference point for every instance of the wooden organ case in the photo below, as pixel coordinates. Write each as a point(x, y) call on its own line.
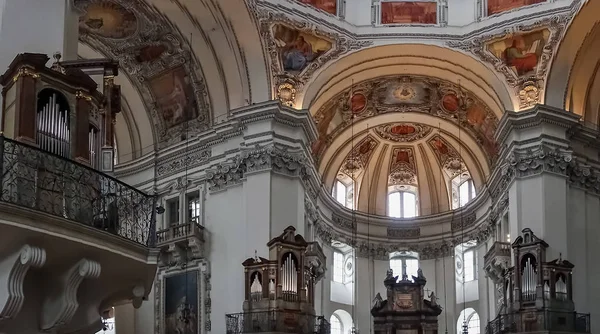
point(538, 295)
point(56, 134)
point(280, 291)
point(59, 109)
point(405, 311)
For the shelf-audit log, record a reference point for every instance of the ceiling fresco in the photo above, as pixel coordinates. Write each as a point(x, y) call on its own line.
point(522, 54)
point(403, 167)
point(155, 57)
point(298, 49)
point(447, 156)
point(358, 158)
point(403, 94)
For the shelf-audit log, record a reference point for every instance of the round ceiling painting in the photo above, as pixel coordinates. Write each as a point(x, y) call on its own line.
point(108, 19)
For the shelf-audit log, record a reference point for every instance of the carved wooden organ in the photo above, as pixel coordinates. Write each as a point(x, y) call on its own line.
point(405, 310)
point(538, 295)
point(59, 109)
point(287, 279)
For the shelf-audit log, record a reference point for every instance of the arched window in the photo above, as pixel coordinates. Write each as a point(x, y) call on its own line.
point(336, 325)
point(471, 318)
point(463, 190)
point(402, 204)
point(404, 263)
point(466, 262)
point(338, 267)
point(344, 193)
point(466, 192)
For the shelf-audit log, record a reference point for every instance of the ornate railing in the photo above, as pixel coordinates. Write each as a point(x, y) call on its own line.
point(539, 321)
point(180, 231)
point(276, 321)
point(46, 182)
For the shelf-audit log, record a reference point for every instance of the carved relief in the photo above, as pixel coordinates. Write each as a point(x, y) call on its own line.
point(403, 169)
point(356, 161)
point(155, 57)
point(522, 54)
point(403, 132)
point(447, 156)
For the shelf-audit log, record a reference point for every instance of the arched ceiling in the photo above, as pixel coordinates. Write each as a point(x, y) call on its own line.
point(574, 80)
point(404, 131)
point(189, 61)
point(410, 59)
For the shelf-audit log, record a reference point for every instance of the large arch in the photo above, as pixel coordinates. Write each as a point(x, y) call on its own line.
point(409, 59)
point(573, 77)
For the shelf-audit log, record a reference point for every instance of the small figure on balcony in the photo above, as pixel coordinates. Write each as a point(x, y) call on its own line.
point(433, 298)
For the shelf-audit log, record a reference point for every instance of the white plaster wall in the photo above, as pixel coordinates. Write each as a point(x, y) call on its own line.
point(461, 12)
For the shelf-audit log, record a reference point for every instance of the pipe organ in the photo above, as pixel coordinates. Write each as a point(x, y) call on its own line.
point(538, 292)
point(53, 123)
point(60, 109)
point(285, 281)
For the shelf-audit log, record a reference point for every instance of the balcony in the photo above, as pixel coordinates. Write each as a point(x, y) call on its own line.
point(540, 321)
point(276, 322)
point(181, 240)
point(39, 180)
point(496, 260)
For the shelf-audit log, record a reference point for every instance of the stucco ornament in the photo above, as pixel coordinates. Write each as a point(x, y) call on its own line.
point(528, 88)
point(154, 49)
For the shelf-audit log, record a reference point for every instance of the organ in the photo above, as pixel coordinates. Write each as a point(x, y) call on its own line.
point(280, 290)
point(538, 293)
point(60, 109)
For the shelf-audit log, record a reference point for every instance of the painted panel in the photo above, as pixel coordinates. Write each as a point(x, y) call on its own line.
point(181, 303)
point(520, 53)
point(329, 6)
point(499, 6)
point(175, 96)
point(408, 12)
point(298, 49)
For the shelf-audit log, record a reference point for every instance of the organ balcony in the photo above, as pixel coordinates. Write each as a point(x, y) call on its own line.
point(76, 241)
point(538, 294)
point(280, 291)
point(497, 260)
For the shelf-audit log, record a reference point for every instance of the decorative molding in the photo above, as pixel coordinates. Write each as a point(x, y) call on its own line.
point(179, 163)
point(529, 89)
point(403, 132)
point(269, 157)
point(13, 269)
point(463, 222)
point(154, 30)
point(60, 305)
point(403, 232)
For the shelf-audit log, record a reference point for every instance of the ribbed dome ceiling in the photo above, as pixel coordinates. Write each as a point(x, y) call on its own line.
point(405, 133)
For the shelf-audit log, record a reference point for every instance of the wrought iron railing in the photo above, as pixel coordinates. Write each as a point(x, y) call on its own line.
point(46, 182)
point(539, 321)
point(180, 231)
point(276, 321)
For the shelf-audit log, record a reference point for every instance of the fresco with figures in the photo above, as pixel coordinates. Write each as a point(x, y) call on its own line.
point(297, 49)
point(520, 53)
point(406, 94)
point(328, 6)
point(499, 6)
point(174, 96)
point(408, 12)
point(108, 19)
point(181, 297)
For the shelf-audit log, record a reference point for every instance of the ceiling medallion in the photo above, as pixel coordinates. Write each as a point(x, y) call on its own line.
point(404, 93)
point(286, 94)
point(403, 132)
point(529, 95)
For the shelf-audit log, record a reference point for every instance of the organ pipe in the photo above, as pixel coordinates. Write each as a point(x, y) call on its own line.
point(561, 289)
point(528, 281)
point(256, 289)
point(289, 278)
point(53, 133)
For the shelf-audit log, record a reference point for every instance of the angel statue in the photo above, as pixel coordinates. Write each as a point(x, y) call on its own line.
point(433, 298)
point(390, 274)
point(377, 301)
